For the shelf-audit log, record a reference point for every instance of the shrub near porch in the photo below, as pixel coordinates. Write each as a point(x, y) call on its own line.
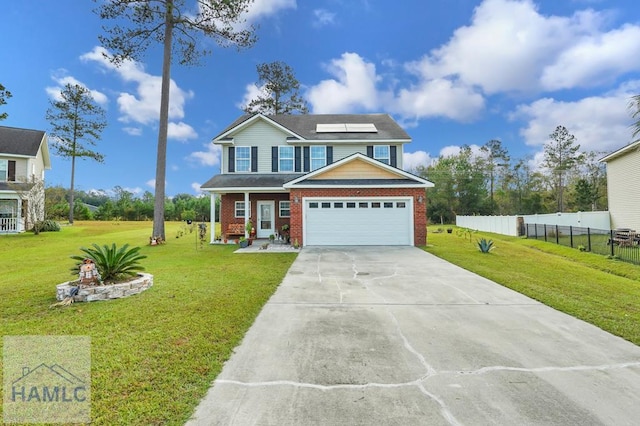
point(154, 355)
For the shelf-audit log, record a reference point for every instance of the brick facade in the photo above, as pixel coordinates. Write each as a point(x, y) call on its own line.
point(227, 208)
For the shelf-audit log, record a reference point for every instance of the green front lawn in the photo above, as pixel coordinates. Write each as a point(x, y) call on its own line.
point(589, 286)
point(154, 355)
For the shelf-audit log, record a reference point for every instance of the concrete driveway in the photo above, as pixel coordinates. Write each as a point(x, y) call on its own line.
point(396, 336)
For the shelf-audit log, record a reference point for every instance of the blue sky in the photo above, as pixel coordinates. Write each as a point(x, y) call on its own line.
point(452, 72)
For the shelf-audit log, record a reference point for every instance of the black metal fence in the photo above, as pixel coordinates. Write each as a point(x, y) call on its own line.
point(600, 241)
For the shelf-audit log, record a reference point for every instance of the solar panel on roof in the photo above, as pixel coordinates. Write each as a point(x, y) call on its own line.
point(330, 128)
point(346, 128)
point(361, 128)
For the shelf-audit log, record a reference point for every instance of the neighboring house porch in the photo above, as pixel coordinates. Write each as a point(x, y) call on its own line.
point(24, 157)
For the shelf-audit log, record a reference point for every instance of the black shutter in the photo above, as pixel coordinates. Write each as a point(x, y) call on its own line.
point(11, 175)
point(297, 159)
point(232, 159)
point(254, 159)
point(274, 158)
point(329, 155)
point(394, 156)
point(370, 151)
point(307, 159)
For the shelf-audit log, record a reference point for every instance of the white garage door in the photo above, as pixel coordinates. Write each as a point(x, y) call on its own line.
point(358, 221)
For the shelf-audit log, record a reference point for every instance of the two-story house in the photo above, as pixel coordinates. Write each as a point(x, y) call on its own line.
point(334, 179)
point(623, 192)
point(24, 156)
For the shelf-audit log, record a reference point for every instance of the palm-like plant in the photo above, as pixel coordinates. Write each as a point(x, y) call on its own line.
point(485, 246)
point(113, 263)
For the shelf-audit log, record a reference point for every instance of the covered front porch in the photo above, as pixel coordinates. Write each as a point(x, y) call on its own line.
point(11, 217)
point(260, 199)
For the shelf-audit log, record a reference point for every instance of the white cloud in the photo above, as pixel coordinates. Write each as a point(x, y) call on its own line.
point(251, 92)
point(151, 183)
point(263, 8)
point(595, 59)
point(133, 131)
point(135, 191)
point(61, 81)
point(209, 157)
point(411, 160)
point(181, 132)
point(323, 18)
point(510, 46)
point(452, 150)
point(439, 98)
point(599, 123)
point(196, 187)
point(144, 106)
point(354, 86)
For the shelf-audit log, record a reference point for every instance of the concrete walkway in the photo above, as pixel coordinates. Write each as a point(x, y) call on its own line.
point(396, 336)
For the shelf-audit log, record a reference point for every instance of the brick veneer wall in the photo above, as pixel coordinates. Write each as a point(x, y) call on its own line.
point(228, 205)
point(419, 208)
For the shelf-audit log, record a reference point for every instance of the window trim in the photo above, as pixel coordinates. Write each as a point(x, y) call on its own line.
point(236, 209)
point(385, 160)
point(280, 209)
point(292, 159)
point(237, 157)
point(318, 158)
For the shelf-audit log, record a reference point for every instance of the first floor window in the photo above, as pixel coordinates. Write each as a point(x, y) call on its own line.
point(381, 153)
point(239, 209)
point(285, 208)
point(318, 157)
point(243, 159)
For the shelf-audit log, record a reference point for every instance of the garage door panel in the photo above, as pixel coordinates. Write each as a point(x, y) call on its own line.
point(376, 221)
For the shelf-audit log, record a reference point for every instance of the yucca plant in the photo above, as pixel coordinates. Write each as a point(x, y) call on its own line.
point(484, 245)
point(113, 264)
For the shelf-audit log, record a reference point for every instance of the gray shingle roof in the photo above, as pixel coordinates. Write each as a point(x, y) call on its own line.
point(253, 180)
point(17, 141)
point(305, 126)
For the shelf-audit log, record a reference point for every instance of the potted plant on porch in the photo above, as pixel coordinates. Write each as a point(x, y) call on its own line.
point(251, 231)
point(285, 233)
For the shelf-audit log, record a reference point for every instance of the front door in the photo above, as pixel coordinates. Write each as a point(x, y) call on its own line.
point(265, 226)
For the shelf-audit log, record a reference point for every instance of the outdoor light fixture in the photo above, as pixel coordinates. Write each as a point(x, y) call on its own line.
point(420, 199)
point(296, 199)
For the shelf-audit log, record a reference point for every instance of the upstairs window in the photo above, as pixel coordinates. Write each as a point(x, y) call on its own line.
point(381, 153)
point(318, 157)
point(243, 159)
point(7, 171)
point(285, 158)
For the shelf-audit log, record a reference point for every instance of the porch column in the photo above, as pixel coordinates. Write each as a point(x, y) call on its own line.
point(212, 220)
point(247, 213)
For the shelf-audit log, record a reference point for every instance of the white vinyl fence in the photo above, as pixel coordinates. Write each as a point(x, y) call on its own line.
point(512, 225)
point(505, 225)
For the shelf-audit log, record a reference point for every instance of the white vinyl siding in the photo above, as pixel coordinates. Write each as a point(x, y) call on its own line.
point(623, 173)
point(341, 151)
point(262, 135)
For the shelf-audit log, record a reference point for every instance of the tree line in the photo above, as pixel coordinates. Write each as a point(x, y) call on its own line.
point(123, 205)
point(490, 182)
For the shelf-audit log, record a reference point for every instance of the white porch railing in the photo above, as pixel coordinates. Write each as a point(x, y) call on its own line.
point(8, 224)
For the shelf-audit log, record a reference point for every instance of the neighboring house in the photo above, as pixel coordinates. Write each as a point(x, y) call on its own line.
point(24, 156)
point(334, 179)
point(623, 191)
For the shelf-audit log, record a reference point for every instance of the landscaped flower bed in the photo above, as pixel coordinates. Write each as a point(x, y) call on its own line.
point(105, 292)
